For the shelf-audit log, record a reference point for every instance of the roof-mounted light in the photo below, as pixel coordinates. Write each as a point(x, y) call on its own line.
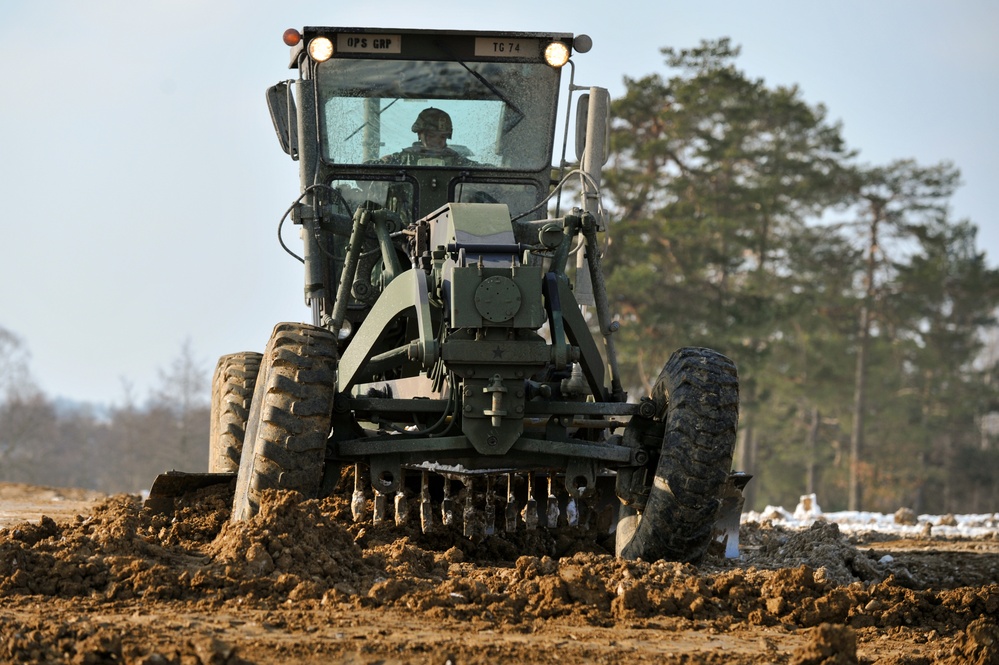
point(556, 54)
point(292, 37)
point(321, 49)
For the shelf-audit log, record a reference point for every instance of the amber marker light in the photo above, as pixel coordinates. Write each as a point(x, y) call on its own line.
point(292, 37)
point(556, 54)
point(321, 49)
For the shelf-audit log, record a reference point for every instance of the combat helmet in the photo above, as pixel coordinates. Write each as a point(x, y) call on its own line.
point(433, 120)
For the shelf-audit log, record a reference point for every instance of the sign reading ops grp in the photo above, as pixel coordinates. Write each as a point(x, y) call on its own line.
point(368, 43)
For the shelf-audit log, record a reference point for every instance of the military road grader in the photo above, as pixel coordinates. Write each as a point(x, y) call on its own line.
point(460, 358)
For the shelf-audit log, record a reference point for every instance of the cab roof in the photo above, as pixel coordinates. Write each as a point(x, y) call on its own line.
point(427, 44)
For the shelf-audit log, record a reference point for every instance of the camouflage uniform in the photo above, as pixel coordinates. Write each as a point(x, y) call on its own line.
point(418, 154)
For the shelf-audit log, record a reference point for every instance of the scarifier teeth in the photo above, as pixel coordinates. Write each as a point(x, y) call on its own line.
point(426, 517)
point(479, 513)
point(552, 512)
point(530, 512)
point(401, 508)
point(426, 510)
point(381, 507)
point(510, 517)
point(510, 512)
point(572, 512)
point(468, 516)
point(358, 502)
point(358, 505)
point(447, 505)
point(489, 526)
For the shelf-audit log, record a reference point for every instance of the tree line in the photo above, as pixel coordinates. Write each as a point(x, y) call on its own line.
point(860, 314)
point(118, 449)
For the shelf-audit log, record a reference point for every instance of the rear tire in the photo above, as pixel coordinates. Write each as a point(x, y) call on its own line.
point(232, 390)
point(698, 394)
point(290, 417)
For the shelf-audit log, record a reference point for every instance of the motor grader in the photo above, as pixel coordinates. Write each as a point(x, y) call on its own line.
point(460, 362)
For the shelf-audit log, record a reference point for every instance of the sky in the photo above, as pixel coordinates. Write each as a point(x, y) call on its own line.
point(141, 183)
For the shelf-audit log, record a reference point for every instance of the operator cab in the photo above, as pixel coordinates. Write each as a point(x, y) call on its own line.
point(383, 102)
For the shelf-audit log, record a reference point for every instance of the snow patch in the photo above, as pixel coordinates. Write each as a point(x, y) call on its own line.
point(808, 512)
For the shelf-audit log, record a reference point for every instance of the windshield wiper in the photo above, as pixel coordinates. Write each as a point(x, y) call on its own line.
point(366, 123)
point(510, 121)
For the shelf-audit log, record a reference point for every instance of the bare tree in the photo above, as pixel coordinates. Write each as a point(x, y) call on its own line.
point(25, 414)
point(14, 356)
point(184, 386)
point(181, 403)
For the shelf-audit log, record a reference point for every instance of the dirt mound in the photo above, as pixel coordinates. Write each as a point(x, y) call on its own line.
point(291, 547)
point(74, 559)
point(297, 558)
point(979, 645)
point(822, 546)
point(828, 644)
point(122, 551)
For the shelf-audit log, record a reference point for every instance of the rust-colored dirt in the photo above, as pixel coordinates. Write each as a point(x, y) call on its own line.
point(300, 583)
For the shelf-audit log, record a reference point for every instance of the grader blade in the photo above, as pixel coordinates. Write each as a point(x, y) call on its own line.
point(172, 484)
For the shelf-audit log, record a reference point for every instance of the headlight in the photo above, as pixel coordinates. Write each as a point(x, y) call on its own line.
point(556, 54)
point(321, 49)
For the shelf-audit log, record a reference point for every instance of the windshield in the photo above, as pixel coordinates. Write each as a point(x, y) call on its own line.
point(440, 114)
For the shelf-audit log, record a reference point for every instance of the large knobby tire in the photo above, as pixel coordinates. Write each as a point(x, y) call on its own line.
point(232, 390)
point(290, 417)
point(699, 391)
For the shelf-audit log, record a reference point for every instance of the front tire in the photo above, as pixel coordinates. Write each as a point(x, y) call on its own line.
point(290, 417)
point(698, 390)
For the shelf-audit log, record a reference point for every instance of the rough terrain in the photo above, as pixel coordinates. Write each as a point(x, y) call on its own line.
point(101, 580)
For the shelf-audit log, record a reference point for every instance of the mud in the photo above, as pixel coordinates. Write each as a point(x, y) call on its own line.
point(301, 583)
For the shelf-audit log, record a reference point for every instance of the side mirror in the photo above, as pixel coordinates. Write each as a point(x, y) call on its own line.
point(284, 115)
